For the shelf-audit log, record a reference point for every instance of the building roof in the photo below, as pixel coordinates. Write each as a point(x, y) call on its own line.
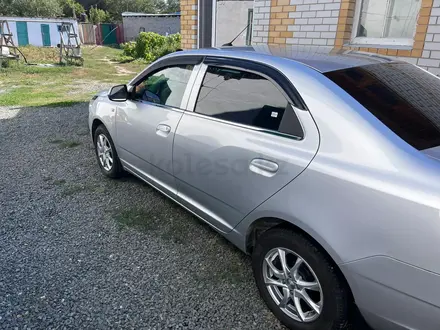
point(130, 14)
point(37, 19)
point(321, 58)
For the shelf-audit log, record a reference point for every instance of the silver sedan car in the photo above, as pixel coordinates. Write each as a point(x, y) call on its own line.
point(321, 164)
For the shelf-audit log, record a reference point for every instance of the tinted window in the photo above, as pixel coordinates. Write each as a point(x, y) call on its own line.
point(246, 98)
point(165, 86)
point(402, 96)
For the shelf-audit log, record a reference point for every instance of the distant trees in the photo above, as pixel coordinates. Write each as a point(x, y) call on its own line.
point(97, 16)
point(173, 6)
point(109, 10)
point(39, 8)
point(117, 7)
point(71, 8)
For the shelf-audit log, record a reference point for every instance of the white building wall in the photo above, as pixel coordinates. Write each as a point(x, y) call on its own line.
point(316, 22)
point(231, 18)
point(431, 53)
point(34, 34)
point(13, 29)
point(34, 29)
point(261, 21)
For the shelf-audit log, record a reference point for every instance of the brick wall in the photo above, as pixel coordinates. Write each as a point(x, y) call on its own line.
point(298, 22)
point(430, 59)
point(188, 23)
point(315, 22)
point(329, 23)
point(260, 33)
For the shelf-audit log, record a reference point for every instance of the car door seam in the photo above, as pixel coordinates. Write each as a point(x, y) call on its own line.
point(311, 160)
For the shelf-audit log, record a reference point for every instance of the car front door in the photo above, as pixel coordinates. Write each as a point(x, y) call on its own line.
point(245, 139)
point(146, 123)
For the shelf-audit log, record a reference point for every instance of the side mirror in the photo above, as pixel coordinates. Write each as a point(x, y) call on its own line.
point(118, 93)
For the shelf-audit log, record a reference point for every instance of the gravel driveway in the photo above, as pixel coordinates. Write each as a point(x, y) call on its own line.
point(78, 250)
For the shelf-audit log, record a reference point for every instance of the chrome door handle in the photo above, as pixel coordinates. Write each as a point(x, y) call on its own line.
point(263, 167)
point(163, 130)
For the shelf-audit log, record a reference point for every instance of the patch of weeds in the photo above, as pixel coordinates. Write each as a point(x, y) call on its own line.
point(75, 188)
point(65, 144)
point(233, 269)
point(69, 144)
point(136, 217)
point(98, 189)
point(59, 182)
point(72, 190)
point(175, 229)
point(63, 104)
point(179, 229)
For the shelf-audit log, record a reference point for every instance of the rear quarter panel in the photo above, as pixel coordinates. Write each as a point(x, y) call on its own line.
point(366, 192)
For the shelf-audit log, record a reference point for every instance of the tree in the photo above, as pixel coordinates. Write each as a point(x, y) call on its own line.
point(173, 6)
point(117, 7)
point(31, 8)
point(97, 16)
point(71, 8)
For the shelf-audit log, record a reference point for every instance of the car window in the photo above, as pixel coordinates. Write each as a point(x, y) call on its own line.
point(165, 86)
point(403, 97)
point(246, 98)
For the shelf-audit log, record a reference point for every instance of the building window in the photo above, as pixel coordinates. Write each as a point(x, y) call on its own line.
point(142, 29)
point(249, 27)
point(386, 22)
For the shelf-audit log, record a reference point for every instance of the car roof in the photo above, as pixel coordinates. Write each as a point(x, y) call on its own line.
point(321, 58)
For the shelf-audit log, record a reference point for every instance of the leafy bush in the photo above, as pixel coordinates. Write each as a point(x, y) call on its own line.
point(150, 46)
point(4, 64)
point(97, 16)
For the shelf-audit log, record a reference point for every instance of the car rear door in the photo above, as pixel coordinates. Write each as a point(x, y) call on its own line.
point(242, 139)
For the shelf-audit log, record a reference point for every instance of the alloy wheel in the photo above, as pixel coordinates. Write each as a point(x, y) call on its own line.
point(293, 285)
point(104, 151)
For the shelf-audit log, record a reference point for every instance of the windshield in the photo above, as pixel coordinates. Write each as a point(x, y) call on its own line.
point(402, 96)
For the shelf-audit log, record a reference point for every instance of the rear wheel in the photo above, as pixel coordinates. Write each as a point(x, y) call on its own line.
point(106, 154)
point(298, 282)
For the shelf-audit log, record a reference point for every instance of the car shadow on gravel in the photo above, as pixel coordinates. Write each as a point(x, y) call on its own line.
point(83, 251)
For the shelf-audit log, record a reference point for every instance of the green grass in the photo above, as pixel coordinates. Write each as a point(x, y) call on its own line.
point(136, 217)
point(169, 228)
point(233, 269)
point(61, 85)
point(59, 182)
point(69, 144)
point(72, 190)
point(56, 141)
point(63, 144)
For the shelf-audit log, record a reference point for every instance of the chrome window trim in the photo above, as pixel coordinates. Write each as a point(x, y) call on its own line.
point(252, 128)
point(166, 107)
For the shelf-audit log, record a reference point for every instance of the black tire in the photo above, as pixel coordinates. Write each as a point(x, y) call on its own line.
point(116, 169)
point(337, 299)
